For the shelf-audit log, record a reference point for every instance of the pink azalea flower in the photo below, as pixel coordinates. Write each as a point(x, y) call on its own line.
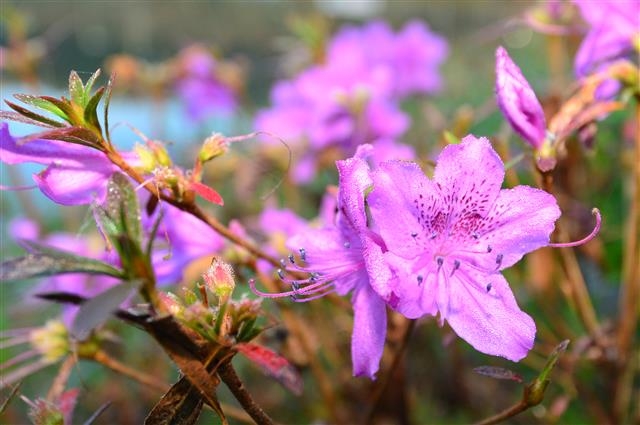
point(449, 237)
point(74, 174)
point(518, 102)
point(338, 258)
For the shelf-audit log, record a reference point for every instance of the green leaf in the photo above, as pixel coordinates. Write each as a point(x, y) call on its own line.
point(107, 101)
point(123, 207)
point(95, 311)
point(89, 85)
point(76, 89)
point(75, 135)
point(90, 114)
point(48, 261)
point(63, 105)
point(39, 119)
point(44, 103)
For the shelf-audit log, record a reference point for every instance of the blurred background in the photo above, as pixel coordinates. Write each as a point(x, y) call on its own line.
point(261, 42)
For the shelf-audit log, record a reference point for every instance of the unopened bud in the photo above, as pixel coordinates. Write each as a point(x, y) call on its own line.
point(213, 146)
point(51, 340)
point(219, 279)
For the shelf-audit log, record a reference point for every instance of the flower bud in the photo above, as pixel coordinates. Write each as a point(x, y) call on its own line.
point(52, 340)
point(518, 102)
point(219, 279)
point(213, 146)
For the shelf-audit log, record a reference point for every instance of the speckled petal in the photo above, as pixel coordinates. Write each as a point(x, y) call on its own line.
point(469, 176)
point(490, 321)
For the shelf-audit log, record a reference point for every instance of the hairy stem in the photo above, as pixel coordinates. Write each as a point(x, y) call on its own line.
point(230, 378)
point(189, 207)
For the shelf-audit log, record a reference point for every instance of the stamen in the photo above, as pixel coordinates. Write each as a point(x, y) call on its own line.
point(420, 280)
point(303, 254)
point(283, 264)
point(291, 259)
point(489, 285)
point(433, 235)
point(439, 261)
point(414, 234)
point(499, 260)
point(583, 241)
point(475, 235)
point(347, 244)
point(489, 249)
point(280, 274)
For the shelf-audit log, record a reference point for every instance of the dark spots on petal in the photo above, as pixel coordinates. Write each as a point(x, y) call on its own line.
point(489, 249)
point(420, 279)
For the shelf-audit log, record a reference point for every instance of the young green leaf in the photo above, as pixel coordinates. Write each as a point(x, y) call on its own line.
point(76, 89)
point(44, 103)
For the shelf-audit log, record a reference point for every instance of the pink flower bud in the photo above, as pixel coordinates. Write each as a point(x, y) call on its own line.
point(518, 102)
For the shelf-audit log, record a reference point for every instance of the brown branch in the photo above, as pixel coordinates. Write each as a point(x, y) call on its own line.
point(230, 378)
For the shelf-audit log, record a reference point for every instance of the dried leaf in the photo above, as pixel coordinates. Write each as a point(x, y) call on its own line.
point(182, 404)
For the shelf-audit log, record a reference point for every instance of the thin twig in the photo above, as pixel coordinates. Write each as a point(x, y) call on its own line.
point(113, 364)
point(230, 378)
point(384, 382)
point(571, 268)
point(507, 413)
point(629, 292)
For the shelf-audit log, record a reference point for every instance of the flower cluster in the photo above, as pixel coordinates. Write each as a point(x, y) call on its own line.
point(426, 247)
point(353, 96)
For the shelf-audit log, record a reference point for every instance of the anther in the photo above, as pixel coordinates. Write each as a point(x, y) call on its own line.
point(475, 235)
point(295, 285)
point(283, 264)
point(303, 254)
point(439, 261)
point(347, 244)
point(291, 259)
point(499, 259)
point(489, 249)
point(414, 234)
point(280, 274)
point(489, 286)
point(433, 235)
point(420, 279)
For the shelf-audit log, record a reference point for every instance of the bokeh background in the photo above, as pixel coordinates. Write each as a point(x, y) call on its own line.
point(270, 40)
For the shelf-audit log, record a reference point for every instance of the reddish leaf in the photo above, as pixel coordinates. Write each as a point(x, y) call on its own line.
point(274, 365)
point(207, 193)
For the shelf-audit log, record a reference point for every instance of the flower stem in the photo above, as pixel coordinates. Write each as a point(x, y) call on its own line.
point(113, 364)
point(189, 207)
point(60, 381)
point(629, 302)
point(509, 412)
point(230, 378)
